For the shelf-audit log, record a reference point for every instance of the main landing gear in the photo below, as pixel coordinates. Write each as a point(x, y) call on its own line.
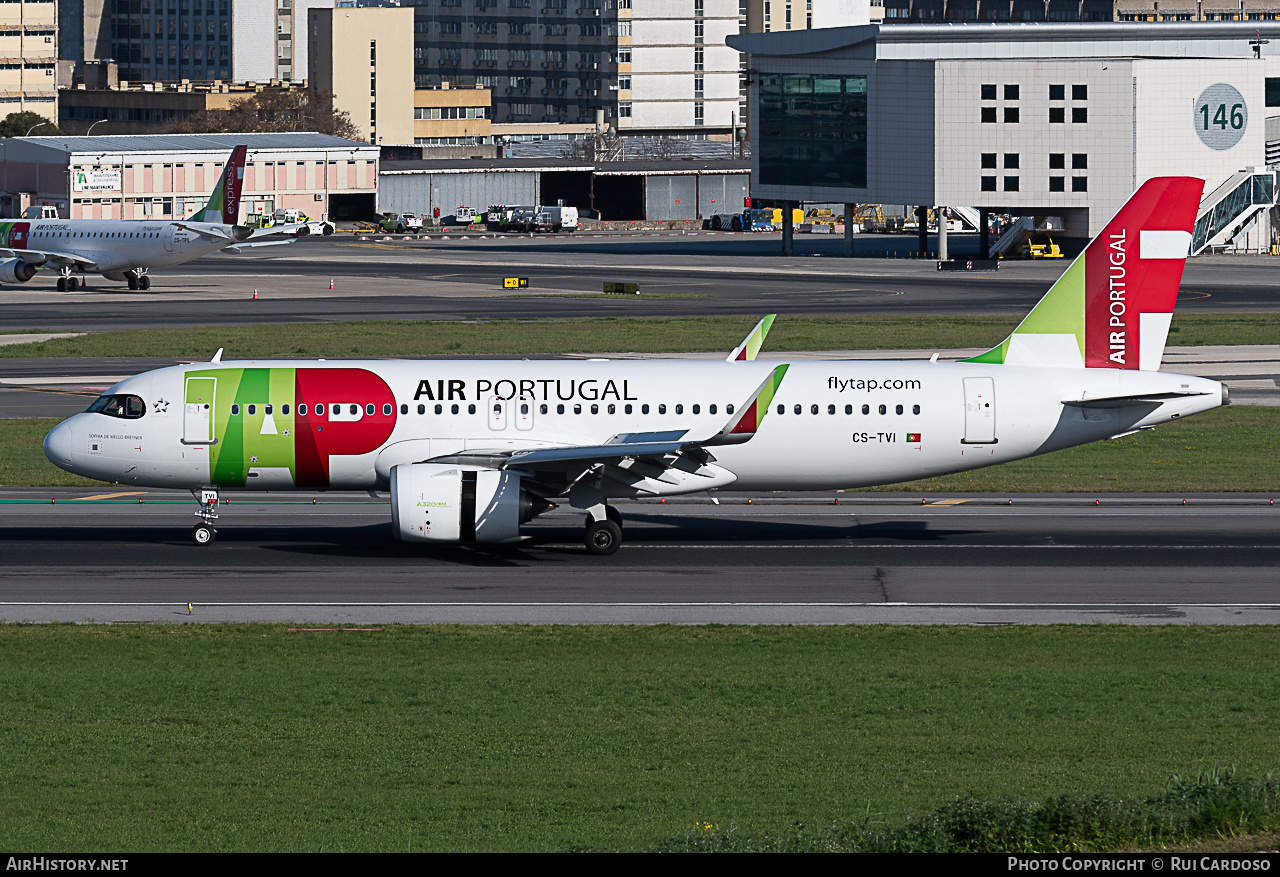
point(604, 536)
point(67, 283)
point(138, 279)
point(203, 532)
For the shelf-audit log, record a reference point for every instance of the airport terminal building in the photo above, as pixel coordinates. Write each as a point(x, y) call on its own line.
point(1026, 119)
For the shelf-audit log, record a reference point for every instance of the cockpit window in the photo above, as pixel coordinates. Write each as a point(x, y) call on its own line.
point(128, 407)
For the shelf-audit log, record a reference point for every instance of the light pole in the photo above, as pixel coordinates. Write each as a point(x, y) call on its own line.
point(33, 127)
point(94, 125)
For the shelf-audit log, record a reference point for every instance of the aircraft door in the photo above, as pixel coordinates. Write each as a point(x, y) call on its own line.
point(497, 413)
point(979, 411)
point(524, 412)
point(197, 417)
point(168, 238)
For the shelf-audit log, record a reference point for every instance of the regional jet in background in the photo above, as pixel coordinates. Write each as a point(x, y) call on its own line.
point(471, 449)
point(125, 249)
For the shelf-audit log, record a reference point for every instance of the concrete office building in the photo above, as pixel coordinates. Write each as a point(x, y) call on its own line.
point(28, 49)
point(364, 57)
point(198, 40)
point(651, 67)
point(1033, 120)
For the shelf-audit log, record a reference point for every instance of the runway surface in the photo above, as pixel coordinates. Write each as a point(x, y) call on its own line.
point(462, 279)
point(780, 559)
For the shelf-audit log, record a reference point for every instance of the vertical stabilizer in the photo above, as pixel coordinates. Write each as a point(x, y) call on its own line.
point(1113, 306)
point(224, 202)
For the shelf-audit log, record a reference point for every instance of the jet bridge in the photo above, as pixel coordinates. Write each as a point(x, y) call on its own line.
point(1232, 210)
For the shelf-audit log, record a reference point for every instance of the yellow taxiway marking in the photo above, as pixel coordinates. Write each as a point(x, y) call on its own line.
point(114, 495)
point(949, 502)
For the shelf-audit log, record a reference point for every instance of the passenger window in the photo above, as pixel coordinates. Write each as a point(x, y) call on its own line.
point(235, 409)
point(697, 409)
point(267, 409)
point(253, 409)
point(559, 409)
point(782, 409)
point(369, 409)
point(711, 409)
point(813, 409)
point(355, 409)
point(627, 409)
point(898, 410)
point(644, 409)
point(680, 409)
point(542, 409)
point(577, 408)
point(439, 409)
point(453, 409)
point(848, 409)
point(302, 409)
point(915, 409)
point(422, 409)
point(662, 409)
point(471, 409)
point(284, 409)
point(831, 409)
point(883, 410)
point(595, 409)
point(799, 408)
point(404, 409)
point(612, 408)
point(386, 408)
point(728, 409)
point(866, 409)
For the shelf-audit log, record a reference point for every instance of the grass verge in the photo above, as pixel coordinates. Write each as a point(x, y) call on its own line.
point(548, 738)
point(1227, 449)
point(623, 334)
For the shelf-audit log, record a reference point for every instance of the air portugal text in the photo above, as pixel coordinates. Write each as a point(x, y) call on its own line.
point(1118, 306)
point(544, 389)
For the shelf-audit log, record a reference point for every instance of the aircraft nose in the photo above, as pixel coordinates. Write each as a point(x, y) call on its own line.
point(59, 444)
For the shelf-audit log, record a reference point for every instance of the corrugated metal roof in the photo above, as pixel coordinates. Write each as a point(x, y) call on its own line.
point(531, 165)
point(194, 142)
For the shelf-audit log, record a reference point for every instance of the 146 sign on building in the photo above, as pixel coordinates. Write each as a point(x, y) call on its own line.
point(1220, 116)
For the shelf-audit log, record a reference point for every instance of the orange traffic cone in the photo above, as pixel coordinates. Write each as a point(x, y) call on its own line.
point(255, 293)
point(331, 283)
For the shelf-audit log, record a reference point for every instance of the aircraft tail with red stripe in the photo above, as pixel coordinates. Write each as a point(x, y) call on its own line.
point(1113, 305)
point(224, 201)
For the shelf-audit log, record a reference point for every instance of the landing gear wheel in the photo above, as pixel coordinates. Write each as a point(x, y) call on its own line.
point(144, 282)
point(614, 515)
point(203, 534)
point(603, 537)
point(133, 282)
point(72, 284)
point(62, 284)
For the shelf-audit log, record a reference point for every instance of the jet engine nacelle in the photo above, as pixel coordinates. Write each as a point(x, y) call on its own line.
point(16, 271)
point(446, 502)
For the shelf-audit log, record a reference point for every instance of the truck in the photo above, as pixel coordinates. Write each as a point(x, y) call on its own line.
point(293, 216)
point(400, 222)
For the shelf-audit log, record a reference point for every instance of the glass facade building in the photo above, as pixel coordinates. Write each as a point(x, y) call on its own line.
point(813, 130)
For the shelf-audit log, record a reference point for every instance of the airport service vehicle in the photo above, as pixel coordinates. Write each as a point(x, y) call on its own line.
point(126, 249)
point(291, 216)
point(400, 222)
point(471, 449)
point(561, 219)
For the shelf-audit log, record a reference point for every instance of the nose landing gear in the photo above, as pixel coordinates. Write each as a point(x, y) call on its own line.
point(203, 532)
point(138, 279)
point(67, 283)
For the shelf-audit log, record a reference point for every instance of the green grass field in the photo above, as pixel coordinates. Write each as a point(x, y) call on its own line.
point(620, 335)
point(1228, 449)
point(137, 738)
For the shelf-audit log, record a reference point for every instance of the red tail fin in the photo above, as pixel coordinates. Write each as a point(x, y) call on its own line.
point(233, 185)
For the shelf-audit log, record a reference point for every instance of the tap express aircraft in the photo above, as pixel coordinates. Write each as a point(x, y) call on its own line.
point(125, 249)
point(470, 450)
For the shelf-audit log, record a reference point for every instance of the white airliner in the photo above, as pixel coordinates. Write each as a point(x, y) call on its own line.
point(470, 450)
point(125, 249)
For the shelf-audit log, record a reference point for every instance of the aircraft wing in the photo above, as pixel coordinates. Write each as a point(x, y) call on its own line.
point(40, 257)
point(1126, 401)
point(662, 450)
point(236, 249)
point(206, 230)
